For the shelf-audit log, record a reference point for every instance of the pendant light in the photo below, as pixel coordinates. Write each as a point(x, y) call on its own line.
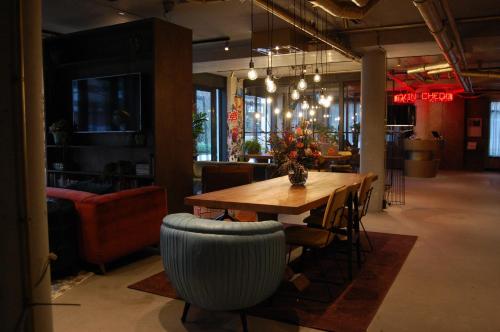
point(302, 85)
point(295, 95)
point(305, 105)
point(317, 76)
point(252, 73)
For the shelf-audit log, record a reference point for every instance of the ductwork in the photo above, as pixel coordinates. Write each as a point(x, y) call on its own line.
point(424, 68)
point(308, 29)
point(357, 9)
point(435, 25)
point(484, 74)
point(361, 3)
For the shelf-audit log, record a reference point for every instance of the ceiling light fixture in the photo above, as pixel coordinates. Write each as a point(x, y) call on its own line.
point(252, 73)
point(295, 94)
point(226, 46)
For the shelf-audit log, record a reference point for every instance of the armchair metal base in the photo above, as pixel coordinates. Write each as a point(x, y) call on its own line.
point(243, 316)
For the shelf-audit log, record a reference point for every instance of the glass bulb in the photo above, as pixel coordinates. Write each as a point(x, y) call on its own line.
point(317, 78)
point(277, 111)
point(327, 103)
point(322, 99)
point(252, 74)
point(302, 85)
point(295, 94)
point(305, 105)
point(330, 98)
point(312, 112)
point(288, 115)
point(269, 100)
point(301, 114)
point(268, 79)
point(257, 116)
point(271, 87)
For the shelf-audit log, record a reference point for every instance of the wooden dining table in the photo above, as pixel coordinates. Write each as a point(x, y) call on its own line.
point(277, 196)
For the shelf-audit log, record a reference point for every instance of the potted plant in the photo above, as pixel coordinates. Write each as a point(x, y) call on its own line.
point(199, 120)
point(252, 147)
point(120, 119)
point(60, 131)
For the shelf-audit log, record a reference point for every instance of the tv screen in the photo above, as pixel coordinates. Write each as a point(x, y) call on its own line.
point(107, 104)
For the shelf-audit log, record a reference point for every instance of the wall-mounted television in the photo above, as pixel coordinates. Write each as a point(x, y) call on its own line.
point(107, 104)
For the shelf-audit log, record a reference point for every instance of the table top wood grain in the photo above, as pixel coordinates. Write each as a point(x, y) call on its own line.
point(277, 195)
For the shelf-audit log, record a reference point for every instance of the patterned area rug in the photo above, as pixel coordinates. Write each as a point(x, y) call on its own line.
point(342, 307)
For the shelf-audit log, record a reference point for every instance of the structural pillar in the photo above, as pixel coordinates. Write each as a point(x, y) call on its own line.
point(373, 111)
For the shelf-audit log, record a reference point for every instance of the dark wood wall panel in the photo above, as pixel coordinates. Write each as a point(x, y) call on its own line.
point(173, 104)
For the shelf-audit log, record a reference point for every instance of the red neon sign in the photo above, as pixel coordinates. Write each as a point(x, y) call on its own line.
point(432, 97)
point(437, 97)
point(405, 98)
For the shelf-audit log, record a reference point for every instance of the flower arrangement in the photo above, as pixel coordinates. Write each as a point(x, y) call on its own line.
point(295, 151)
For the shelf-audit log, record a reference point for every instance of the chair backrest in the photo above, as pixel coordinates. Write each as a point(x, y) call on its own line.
point(335, 207)
point(222, 265)
point(218, 177)
point(365, 192)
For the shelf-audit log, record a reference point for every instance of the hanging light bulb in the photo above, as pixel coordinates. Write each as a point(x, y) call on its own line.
point(269, 100)
point(277, 111)
point(252, 73)
point(302, 85)
point(257, 115)
point(305, 105)
point(312, 112)
point(301, 114)
point(330, 98)
point(317, 76)
point(271, 87)
point(288, 115)
point(327, 103)
point(295, 94)
point(322, 99)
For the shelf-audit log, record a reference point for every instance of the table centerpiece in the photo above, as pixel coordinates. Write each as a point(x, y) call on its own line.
point(294, 152)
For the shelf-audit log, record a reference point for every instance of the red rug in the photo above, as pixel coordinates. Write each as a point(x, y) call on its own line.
point(351, 306)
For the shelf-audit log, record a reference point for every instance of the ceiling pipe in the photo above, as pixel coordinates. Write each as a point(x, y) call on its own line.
point(308, 29)
point(361, 3)
point(345, 9)
point(435, 25)
point(424, 68)
point(400, 81)
point(484, 74)
point(418, 25)
point(439, 71)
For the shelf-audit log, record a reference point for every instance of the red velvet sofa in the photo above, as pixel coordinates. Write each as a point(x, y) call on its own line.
point(117, 224)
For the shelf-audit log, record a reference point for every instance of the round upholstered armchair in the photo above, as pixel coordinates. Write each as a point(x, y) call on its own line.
point(220, 265)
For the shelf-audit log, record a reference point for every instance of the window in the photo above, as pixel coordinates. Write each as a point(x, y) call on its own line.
point(494, 150)
point(211, 144)
point(260, 120)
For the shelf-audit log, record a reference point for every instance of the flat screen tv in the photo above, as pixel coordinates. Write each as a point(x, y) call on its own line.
point(107, 104)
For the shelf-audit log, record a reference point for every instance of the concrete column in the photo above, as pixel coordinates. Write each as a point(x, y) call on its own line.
point(373, 110)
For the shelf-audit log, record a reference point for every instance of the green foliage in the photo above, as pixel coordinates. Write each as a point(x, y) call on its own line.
point(60, 126)
point(252, 147)
point(199, 120)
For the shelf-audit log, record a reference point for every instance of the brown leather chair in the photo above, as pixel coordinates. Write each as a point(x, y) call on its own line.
point(218, 177)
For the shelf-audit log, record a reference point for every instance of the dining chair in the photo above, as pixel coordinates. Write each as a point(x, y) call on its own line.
point(365, 193)
point(315, 239)
point(219, 177)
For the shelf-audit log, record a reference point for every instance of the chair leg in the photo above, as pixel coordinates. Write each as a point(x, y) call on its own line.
point(185, 311)
point(243, 316)
point(367, 237)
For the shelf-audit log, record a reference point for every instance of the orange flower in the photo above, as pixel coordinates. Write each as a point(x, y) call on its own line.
point(298, 131)
point(300, 145)
point(293, 154)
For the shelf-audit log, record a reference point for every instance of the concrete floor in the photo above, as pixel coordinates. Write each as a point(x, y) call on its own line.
point(450, 281)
